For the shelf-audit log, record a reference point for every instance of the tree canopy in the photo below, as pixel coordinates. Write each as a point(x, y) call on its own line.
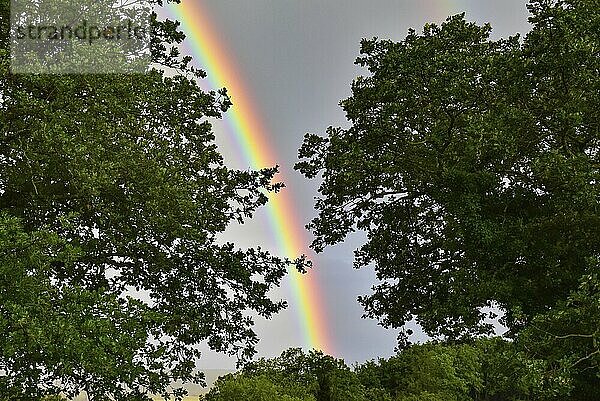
point(472, 164)
point(483, 370)
point(294, 375)
point(112, 196)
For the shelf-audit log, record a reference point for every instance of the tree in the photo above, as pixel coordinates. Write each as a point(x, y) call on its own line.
point(428, 370)
point(112, 196)
point(321, 376)
point(256, 388)
point(567, 337)
point(481, 370)
point(472, 165)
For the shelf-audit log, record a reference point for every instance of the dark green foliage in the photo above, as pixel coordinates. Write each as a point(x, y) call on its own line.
point(462, 151)
point(112, 195)
point(254, 388)
point(567, 337)
point(473, 166)
point(325, 377)
point(297, 375)
point(485, 370)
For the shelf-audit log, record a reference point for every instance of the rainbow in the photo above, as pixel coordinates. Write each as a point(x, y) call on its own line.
point(211, 54)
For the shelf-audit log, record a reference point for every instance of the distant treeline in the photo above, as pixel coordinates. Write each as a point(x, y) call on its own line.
point(489, 369)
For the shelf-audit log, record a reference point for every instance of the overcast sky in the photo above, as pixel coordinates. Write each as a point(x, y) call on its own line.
point(297, 58)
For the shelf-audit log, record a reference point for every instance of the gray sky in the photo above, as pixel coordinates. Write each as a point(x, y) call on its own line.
point(297, 58)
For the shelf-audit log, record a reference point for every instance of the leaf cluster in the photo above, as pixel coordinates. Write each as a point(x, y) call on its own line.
point(113, 201)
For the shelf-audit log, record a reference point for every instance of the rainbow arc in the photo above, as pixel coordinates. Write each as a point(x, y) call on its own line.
point(253, 140)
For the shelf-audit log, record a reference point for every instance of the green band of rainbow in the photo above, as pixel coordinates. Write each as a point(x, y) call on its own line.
point(211, 55)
